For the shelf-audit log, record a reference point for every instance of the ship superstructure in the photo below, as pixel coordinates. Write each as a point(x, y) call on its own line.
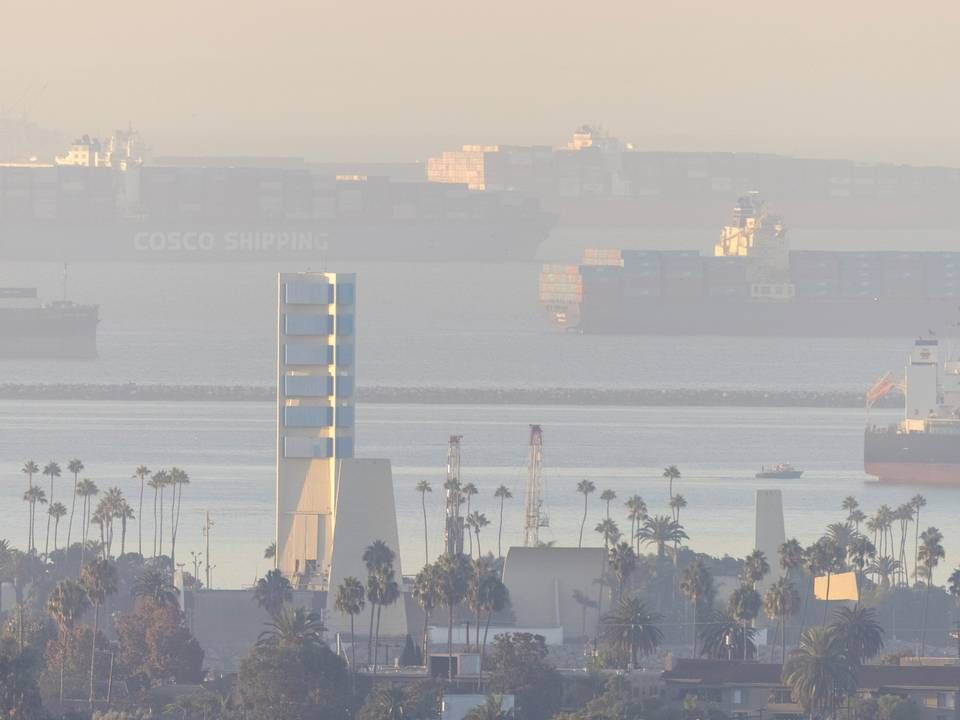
point(924, 447)
point(30, 329)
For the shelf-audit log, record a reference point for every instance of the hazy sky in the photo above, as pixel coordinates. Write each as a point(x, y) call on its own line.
point(364, 79)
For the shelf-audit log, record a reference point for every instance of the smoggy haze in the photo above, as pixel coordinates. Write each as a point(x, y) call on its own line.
point(364, 79)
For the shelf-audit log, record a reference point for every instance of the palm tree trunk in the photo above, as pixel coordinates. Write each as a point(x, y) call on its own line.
point(426, 548)
point(173, 526)
point(500, 531)
point(826, 602)
point(923, 626)
point(486, 628)
point(161, 521)
point(93, 648)
point(46, 544)
point(155, 522)
point(783, 639)
point(140, 521)
point(73, 507)
point(123, 535)
point(450, 644)
point(353, 645)
point(63, 662)
point(56, 531)
point(426, 638)
point(376, 642)
point(584, 521)
point(176, 528)
point(370, 636)
point(694, 627)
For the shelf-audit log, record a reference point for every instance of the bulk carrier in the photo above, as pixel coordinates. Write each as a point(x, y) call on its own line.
point(103, 201)
point(924, 448)
point(30, 329)
point(754, 285)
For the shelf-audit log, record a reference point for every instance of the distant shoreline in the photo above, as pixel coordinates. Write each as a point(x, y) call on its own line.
point(626, 397)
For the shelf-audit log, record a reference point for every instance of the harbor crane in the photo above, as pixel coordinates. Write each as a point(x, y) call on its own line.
point(453, 520)
point(536, 518)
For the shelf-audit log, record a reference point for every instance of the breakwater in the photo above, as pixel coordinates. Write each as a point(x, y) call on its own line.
point(627, 397)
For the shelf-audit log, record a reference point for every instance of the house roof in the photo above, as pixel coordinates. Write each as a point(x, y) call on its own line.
point(713, 673)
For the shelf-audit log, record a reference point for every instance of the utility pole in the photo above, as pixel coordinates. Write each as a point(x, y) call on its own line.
point(208, 523)
point(535, 517)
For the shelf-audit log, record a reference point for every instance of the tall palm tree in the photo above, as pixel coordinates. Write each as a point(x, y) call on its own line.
point(857, 517)
point(636, 512)
point(608, 496)
point(660, 530)
point(378, 558)
point(849, 504)
point(861, 634)
point(825, 557)
point(842, 534)
point(780, 602)
point(467, 492)
point(123, 513)
point(671, 473)
point(755, 568)
point(33, 496)
point(586, 603)
point(860, 552)
point(350, 600)
point(677, 503)
point(724, 638)
point(382, 590)
point(904, 516)
point(154, 584)
point(99, 579)
point(178, 478)
point(584, 487)
point(52, 469)
point(917, 502)
point(630, 628)
point(791, 556)
point(57, 510)
point(452, 577)
point(66, 603)
point(476, 521)
point(272, 592)
point(162, 478)
point(494, 598)
point(87, 490)
point(930, 554)
point(818, 672)
point(622, 561)
point(608, 530)
point(883, 569)
point(75, 467)
point(502, 493)
point(141, 473)
point(293, 628)
point(953, 589)
point(155, 483)
point(425, 593)
point(695, 584)
point(30, 468)
point(423, 487)
point(745, 604)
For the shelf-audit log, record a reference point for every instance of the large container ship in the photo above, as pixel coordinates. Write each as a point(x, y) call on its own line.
point(754, 285)
point(924, 448)
point(101, 201)
point(30, 329)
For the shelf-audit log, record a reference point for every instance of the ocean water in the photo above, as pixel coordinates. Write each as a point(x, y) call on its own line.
point(227, 448)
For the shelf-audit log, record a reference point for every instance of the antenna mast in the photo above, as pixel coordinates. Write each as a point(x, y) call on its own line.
point(535, 517)
point(453, 521)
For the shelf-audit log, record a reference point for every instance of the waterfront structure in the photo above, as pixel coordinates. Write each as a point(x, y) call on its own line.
point(316, 356)
point(770, 532)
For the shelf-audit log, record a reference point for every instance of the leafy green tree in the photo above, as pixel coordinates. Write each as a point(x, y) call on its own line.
point(155, 644)
point(818, 672)
point(586, 488)
point(630, 629)
point(519, 667)
point(272, 592)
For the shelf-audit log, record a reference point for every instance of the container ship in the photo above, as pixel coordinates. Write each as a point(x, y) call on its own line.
point(30, 329)
point(102, 201)
point(924, 448)
point(754, 285)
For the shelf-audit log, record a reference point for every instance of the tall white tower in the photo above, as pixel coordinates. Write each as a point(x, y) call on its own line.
point(316, 360)
point(923, 371)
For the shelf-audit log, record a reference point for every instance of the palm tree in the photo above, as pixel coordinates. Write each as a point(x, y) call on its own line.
point(817, 671)
point(610, 533)
point(636, 512)
point(350, 600)
point(452, 574)
point(272, 592)
point(154, 584)
point(476, 521)
point(780, 602)
point(57, 510)
point(884, 568)
point(156, 482)
point(584, 487)
point(141, 473)
point(755, 568)
point(33, 496)
point(503, 493)
point(382, 590)
point(660, 530)
point(378, 558)
point(695, 584)
point(745, 603)
point(857, 517)
point(123, 513)
point(99, 579)
point(842, 535)
point(677, 503)
point(270, 552)
point(75, 466)
point(425, 593)
point(725, 637)
point(930, 554)
point(162, 479)
point(861, 634)
point(293, 628)
point(86, 490)
point(30, 468)
point(53, 470)
point(494, 598)
point(670, 474)
point(860, 551)
point(953, 588)
point(622, 561)
point(917, 501)
point(849, 504)
point(178, 478)
point(826, 557)
point(423, 487)
point(791, 556)
point(492, 709)
point(904, 515)
point(608, 496)
point(467, 492)
point(585, 602)
point(66, 604)
point(630, 628)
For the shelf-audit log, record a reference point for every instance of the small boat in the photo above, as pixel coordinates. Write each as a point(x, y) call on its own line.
point(783, 471)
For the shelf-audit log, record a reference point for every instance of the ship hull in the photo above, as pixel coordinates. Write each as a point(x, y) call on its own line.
point(54, 333)
point(441, 241)
point(912, 458)
point(838, 317)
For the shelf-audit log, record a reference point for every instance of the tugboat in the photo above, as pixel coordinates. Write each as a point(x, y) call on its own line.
point(783, 471)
